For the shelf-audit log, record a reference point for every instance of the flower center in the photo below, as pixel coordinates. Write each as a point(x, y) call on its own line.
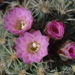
point(33, 47)
point(21, 25)
point(70, 50)
point(55, 29)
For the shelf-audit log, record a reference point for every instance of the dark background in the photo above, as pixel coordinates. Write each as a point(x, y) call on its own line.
point(3, 5)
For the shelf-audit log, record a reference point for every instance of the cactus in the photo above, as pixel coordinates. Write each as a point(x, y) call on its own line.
point(43, 12)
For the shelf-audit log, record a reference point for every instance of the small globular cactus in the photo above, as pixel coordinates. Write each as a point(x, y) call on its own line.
point(33, 36)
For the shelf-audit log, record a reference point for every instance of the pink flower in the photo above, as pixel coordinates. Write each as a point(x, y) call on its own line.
point(32, 47)
point(68, 50)
point(18, 20)
point(55, 29)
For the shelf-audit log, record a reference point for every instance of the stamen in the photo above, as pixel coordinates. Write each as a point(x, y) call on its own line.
point(33, 47)
point(21, 25)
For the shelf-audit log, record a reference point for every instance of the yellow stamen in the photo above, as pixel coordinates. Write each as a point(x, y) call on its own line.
point(21, 25)
point(33, 47)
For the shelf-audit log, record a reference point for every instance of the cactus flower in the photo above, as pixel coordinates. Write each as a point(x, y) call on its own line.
point(32, 47)
point(18, 20)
